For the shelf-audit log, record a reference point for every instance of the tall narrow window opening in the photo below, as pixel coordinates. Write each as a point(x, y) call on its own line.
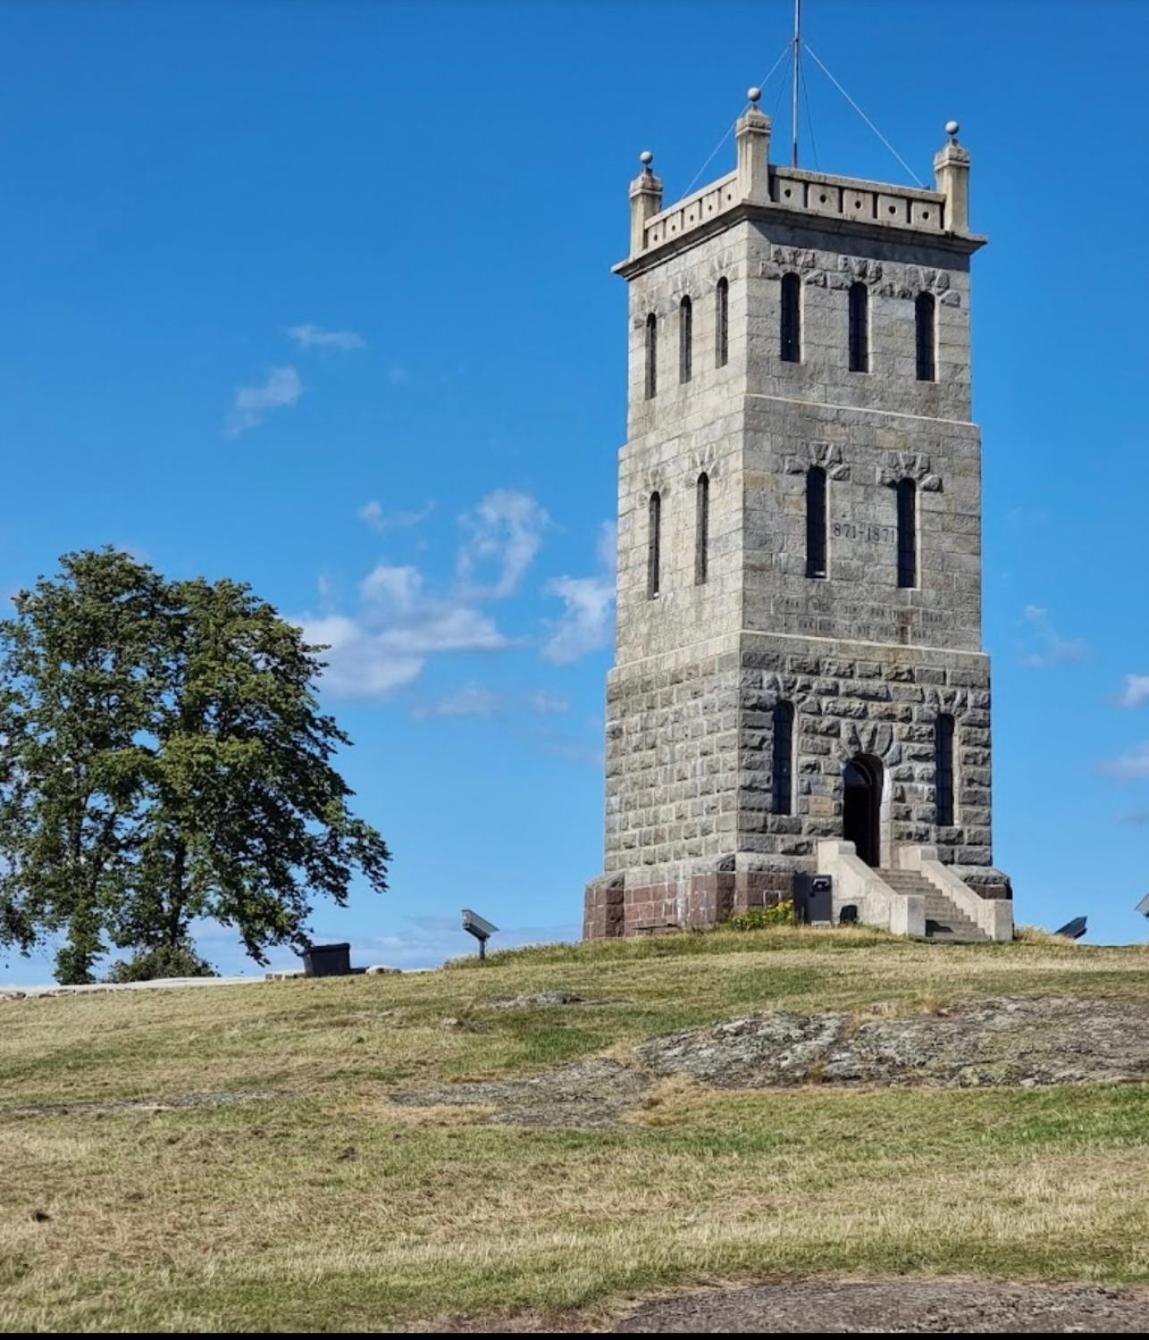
point(722, 322)
point(701, 527)
point(944, 769)
point(685, 339)
point(815, 522)
point(791, 331)
point(783, 761)
point(654, 546)
point(907, 533)
point(859, 328)
point(651, 356)
point(925, 315)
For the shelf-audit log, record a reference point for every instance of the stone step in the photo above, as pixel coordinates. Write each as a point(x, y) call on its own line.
point(944, 919)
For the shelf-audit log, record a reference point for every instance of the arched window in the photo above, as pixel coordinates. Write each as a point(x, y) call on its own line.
point(654, 546)
point(651, 356)
point(815, 522)
point(907, 533)
point(944, 769)
point(722, 323)
point(790, 349)
point(685, 339)
point(859, 328)
point(783, 760)
point(925, 316)
point(701, 527)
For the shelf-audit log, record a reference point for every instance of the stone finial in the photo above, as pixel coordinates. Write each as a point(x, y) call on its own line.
point(951, 169)
point(752, 135)
point(645, 202)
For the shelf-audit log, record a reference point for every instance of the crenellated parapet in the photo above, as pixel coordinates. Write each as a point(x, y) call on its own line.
point(761, 189)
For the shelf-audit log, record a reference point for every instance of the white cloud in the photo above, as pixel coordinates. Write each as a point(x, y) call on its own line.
point(472, 701)
point(1044, 645)
point(397, 587)
point(373, 515)
point(586, 623)
point(314, 337)
point(546, 705)
point(505, 535)
point(385, 645)
point(1130, 766)
point(281, 389)
point(1135, 691)
point(359, 663)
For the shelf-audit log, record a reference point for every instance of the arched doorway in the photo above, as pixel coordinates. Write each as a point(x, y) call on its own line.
point(862, 807)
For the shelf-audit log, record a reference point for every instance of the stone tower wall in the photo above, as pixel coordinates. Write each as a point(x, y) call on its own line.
point(867, 665)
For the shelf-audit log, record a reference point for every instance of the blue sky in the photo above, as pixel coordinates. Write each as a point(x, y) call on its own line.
point(317, 295)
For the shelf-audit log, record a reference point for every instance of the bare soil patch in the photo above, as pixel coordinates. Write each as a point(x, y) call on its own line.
point(113, 1107)
point(586, 1094)
point(899, 1307)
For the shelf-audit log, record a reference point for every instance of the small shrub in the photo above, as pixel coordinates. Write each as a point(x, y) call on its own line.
point(147, 965)
point(762, 918)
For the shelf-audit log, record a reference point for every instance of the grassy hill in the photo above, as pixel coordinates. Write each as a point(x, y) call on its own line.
point(234, 1158)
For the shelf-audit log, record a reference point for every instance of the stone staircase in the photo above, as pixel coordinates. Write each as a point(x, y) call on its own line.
point(944, 920)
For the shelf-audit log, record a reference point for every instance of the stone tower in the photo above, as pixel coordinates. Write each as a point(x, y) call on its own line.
point(799, 684)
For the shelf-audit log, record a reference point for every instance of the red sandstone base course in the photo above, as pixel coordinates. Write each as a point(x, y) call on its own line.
point(613, 910)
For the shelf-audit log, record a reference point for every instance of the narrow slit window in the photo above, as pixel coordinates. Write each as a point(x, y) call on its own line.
point(859, 328)
point(654, 546)
point(722, 323)
point(925, 314)
point(816, 522)
point(791, 331)
point(701, 528)
point(944, 769)
point(907, 533)
point(783, 761)
point(651, 356)
point(685, 339)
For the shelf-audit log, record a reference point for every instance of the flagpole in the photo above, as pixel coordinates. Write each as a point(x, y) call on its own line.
point(794, 104)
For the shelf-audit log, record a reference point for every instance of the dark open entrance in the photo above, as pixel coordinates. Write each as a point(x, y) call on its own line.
point(862, 808)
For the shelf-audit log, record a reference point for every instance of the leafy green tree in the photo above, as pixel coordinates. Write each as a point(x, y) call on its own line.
point(212, 791)
point(79, 667)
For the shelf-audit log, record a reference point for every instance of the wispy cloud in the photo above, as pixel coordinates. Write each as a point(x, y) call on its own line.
point(1135, 817)
point(504, 534)
point(1043, 646)
point(586, 622)
point(314, 337)
point(384, 646)
point(281, 389)
point(1131, 766)
point(471, 701)
point(372, 514)
point(1134, 691)
point(545, 704)
point(572, 748)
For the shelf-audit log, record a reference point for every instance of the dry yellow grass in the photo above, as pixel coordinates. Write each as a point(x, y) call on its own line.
point(327, 1206)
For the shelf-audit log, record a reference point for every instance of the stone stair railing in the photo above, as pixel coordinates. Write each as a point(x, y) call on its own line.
point(857, 884)
point(992, 916)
